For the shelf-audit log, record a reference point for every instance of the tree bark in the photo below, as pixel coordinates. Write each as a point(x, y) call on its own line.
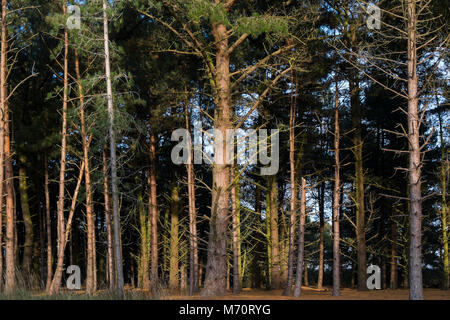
point(108, 221)
point(153, 207)
point(301, 241)
point(2, 168)
point(293, 200)
point(359, 182)
point(193, 241)
point(268, 243)
point(321, 234)
point(394, 273)
point(39, 247)
point(236, 233)
point(336, 197)
point(11, 236)
point(166, 242)
point(56, 282)
point(274, 239)
point(3, 102)
point(10, 277)
point(305, 272)
point(284, 246)
point(28, 244)
point(144, 258)
point(183, 276)
point(91, 284)
point(174, 240)
point(256, 269)
point(415, 161)
point(1, 196)
point(48, 227)
point(444, 208)
point(215, 283)
point(113, 158)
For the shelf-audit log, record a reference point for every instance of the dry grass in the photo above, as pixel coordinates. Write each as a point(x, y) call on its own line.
point(64, 294)
point(309, 293)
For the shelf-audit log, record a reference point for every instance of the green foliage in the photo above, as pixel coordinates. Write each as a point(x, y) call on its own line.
point(199, 10)
point(254, 25)
point(257, 25)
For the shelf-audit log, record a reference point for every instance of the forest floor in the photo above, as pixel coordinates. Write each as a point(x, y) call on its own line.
point(309, 293)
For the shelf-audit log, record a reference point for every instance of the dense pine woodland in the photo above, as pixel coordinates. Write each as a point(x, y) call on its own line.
point(342, 162)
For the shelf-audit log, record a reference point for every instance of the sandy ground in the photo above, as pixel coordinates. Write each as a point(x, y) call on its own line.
point(309, 293)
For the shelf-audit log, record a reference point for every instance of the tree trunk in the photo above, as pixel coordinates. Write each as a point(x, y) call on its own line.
point(3, 102)
point(274, 239)
point(301, 242)
point(144, 276)
point(16, 238)
point(56, 282)
point(321, 234)
point(193, 241)
point(183, 276)
point(2, 140)
point(444, 208)
point(284, 245)
point(112, 140)
point(394, 273)
point(174, 240)
point(268, 243)
point(94, 251)
point(153, 208)
point(228, 274)
point(415, 162)
point(336, 197)
point(236, 233)
point(305, 273)
point(354, 275)
point(48, 227)
point(200, 275)
point(259, 247)
point(10, 277)
point(166, 242)
point(359, 182)
point(132, 272)
point(293, 200)
point(215, 283)
point(40, 247)
point(109, 227)
point(1, 196)
point(91, 284)
point(142, 234)
point(11, 236)
point(28, 244)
